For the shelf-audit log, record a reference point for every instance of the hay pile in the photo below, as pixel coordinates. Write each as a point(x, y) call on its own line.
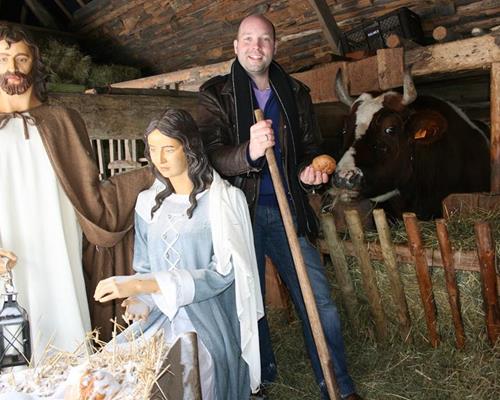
point(126, 371)
point(395, 370)
point(67, 64)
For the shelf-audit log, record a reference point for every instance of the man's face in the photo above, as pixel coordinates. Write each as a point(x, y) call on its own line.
point(16, 64)
point(255, 45)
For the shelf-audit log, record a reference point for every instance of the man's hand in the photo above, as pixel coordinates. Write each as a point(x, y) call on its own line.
point(309, 176)
point(116, 287)
point(7, 260)
point(135, 309)
point(261, 138)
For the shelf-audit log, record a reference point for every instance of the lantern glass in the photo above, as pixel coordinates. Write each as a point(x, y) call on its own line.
point(15, 345)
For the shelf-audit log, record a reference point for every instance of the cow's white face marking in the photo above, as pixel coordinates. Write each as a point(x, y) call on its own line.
point(367, 108)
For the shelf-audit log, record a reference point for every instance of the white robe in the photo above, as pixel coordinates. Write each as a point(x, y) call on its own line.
point(39, 224)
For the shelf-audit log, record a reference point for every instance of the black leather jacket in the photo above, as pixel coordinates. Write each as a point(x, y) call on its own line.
point(217, 123)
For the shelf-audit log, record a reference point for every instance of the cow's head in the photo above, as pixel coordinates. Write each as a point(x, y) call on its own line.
point(378, 139)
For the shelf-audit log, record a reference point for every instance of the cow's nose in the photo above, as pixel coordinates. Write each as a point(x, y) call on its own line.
point(348, 179)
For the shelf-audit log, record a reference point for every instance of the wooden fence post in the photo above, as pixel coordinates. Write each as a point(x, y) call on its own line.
point(486, 254)
point(398, 293)
point(423, 276)
point(451, 283)
point(341, 269)
point(367, 273)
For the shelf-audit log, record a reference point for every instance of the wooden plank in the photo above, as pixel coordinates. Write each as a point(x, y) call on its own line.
point(121, 116)
point(42, 14)
point(390, 67)
point(194, 77)
point(328, 24)
point(448, 58)
point(495, 127)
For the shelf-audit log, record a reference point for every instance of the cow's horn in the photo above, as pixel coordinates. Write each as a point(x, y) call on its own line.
point(409, 90)
point(342, 92)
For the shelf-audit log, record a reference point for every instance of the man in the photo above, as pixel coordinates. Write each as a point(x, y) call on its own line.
point(49, 195)
point(236, 145)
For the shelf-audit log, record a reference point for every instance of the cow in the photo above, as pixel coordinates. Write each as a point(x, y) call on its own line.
point(420, 148)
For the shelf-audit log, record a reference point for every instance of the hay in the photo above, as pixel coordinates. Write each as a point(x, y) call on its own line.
point(128, 371)
point(396, 370)
point(67, 64)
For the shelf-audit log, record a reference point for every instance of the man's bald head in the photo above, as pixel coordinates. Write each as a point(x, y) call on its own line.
point(252, 18)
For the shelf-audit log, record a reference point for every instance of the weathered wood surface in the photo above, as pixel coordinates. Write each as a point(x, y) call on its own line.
point(423, 276)
point(369, 278)
point(397, 289)
point(121, 116)
point(486, 253)
point(451, 282)
point(495, 127)
point(166, 36)
point(341, 268)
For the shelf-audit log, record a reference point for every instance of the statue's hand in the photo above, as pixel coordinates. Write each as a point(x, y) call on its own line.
point(117, 287)
point(135, 309)
point(7, 260)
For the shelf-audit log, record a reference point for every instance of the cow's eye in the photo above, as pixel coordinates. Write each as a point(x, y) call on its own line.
point(390, 130)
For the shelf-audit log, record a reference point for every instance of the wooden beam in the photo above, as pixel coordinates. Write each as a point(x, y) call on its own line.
point(37, 30)
point(42, 14)
point(64, 9)
point(191, 78)
point(467, 55)
point(495, 127)
point(327, 21)
point(81, 3)
point(121, 116)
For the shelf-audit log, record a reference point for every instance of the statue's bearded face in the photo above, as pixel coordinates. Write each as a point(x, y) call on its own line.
point(16, 64)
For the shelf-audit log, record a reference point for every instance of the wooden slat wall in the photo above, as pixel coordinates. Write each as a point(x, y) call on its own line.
point(169, 35)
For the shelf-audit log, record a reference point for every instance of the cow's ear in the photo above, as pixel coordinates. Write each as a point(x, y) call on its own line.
point(426, 126)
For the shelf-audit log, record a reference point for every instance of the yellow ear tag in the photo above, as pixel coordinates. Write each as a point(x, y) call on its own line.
point(420, 134)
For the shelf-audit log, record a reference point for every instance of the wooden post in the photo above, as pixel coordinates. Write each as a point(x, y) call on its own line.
point(303, 277)
point(398, 293)
point(341, 269)
point(367, 273)
point(486, 254)
point(423, 276)
point(495, 127)
point(451, 284)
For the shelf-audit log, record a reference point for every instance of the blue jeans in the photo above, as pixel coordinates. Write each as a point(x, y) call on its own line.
point(270, 239)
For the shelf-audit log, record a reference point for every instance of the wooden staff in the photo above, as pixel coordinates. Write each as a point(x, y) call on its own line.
point(423, 276)
point(300, 267)
point(398, 292)
point(339, 261)
point(451, 283)
point(369, 278)
point(486, 254)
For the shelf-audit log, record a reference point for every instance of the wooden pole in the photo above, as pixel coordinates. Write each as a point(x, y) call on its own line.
point(451, 284)
point(495, 126)
point(341, 269)
point(300, 266)
point(423, 276)
point(486, 253)
point(397, 289)
point(367, 273)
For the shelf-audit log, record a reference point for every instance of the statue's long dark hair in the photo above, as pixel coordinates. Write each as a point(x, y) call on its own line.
point(179, 124)
point(12, 34)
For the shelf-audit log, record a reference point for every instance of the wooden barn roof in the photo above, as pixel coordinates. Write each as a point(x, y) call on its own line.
point(169, 35)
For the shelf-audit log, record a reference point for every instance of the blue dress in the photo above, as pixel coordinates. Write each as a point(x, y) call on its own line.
point(176, 247)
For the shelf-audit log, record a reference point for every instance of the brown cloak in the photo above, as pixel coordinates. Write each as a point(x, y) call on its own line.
point(105, 209)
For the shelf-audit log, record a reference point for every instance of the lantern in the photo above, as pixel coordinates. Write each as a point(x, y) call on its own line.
point(15, 344)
